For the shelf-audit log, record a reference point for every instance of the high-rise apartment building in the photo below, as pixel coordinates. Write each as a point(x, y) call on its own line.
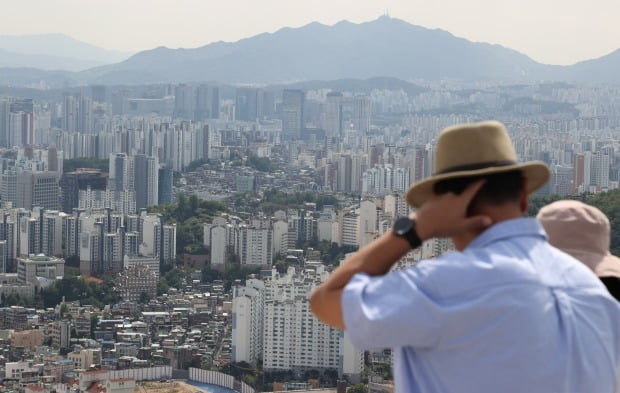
point(121, 172)
point(367, 222)
point(5, 110)
point(333, 116)
point(248, 103)
point(599, 176)
point(21, 128)
point(146, 178)
point(85, 116)
point(284, 330)
point(90, 248)
point(168, 244)
point(164, 184)
point(32, 189)
point(361, 114)
point(222, 238)
point(184, 101)
point(112, 257)
point(292, 110)
point(71, 183)
point(578, 169)
point(247, 331)
point(562, 180)
point(255, 246)
point(207, 102)
point(51, 233)
point(70, 114)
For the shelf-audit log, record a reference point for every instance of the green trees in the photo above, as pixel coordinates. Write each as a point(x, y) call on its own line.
point(234, 271)
point(77, 288)
point(190, 213)
point(70, 165)
point(273, 200)
point(261, 164)
point(359, 388)
point(192, 166)
point(609, 203)
point(144, 297)
point(14, 299)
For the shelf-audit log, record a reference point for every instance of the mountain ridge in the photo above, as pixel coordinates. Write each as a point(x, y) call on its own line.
point(385, 46)
point(59, 50)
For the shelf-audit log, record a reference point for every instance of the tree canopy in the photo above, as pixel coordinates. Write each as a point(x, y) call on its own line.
point(70, 165)
point(261, 164)
point(190, 213)
point(78, 288)
point(276, 199)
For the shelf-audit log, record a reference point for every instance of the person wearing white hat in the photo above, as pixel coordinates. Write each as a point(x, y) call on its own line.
point(507, 312)
point(583, 231)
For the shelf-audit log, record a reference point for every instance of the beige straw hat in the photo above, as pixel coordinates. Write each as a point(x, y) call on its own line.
point(475, 150)
point(582, 231)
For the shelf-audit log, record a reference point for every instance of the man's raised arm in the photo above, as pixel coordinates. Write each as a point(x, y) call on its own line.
point(443, 216)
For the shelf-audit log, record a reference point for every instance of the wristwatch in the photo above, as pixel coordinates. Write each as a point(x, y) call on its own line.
point(405, 227)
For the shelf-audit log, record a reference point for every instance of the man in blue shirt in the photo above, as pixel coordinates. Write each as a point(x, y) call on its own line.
point(505, 313)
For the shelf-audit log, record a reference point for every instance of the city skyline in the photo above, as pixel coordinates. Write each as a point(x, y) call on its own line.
point(159, 24)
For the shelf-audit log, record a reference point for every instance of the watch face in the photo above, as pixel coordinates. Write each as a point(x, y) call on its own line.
point(402, 225)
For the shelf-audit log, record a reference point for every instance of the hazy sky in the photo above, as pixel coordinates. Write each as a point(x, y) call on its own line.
point(550, 31)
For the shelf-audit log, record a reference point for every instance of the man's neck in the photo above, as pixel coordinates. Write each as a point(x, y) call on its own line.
point(497, 215)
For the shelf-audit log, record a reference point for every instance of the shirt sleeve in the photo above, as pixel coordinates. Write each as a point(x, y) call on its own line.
point(389, 311)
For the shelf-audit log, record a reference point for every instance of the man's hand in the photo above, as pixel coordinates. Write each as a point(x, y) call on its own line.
point(445, 215)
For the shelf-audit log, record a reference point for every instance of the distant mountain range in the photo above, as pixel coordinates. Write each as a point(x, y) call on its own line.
point(54, 52)
point(384, 47)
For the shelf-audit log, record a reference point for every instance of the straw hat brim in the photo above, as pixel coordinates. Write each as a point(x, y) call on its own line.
point(536, 173)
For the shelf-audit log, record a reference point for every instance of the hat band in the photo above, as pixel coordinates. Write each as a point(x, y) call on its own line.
point(479, 165)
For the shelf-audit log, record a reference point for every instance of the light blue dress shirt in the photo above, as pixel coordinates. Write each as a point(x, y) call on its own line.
point(508, 314)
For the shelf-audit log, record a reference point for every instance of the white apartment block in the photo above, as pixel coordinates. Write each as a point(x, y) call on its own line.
point(350, 222)
point(292, 338)
point(219, 241)
point(280, 237)
point(220, 237)
point(52, 233)
point(247, 325)
point(89, 252)
point(384, 179)
point(169, 244)
point(395, 205)
point(367, 222)
point(120, 201)
point(328, 228)
point(151, 235)
point(255, 246)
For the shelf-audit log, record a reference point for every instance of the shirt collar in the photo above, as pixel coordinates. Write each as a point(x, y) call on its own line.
point(508, 229)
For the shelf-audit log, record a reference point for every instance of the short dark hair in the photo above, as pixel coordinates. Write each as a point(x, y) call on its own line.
point(498, 189)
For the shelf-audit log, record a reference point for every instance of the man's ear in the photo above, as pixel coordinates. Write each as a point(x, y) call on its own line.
point(524, 200)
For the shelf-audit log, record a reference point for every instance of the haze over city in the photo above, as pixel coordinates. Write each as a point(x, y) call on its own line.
point(548, 31)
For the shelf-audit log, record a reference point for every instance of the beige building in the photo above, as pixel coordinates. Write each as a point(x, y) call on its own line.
point(84, 358)
point(27, 338)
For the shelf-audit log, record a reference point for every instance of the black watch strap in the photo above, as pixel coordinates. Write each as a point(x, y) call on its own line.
point(405, 227)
